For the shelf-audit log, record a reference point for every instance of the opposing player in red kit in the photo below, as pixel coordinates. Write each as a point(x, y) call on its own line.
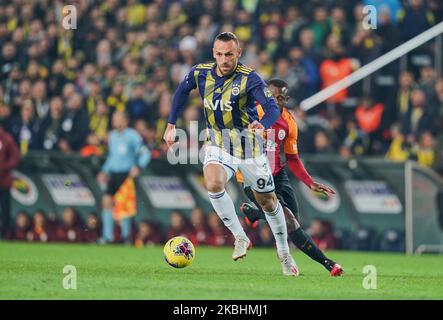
point(284, 134)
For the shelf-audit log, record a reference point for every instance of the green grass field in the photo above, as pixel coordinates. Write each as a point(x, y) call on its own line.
point(35, 271)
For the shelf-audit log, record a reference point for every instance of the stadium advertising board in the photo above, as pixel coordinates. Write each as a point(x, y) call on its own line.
point(370, 196)
point(68, 190)
point(167, 192)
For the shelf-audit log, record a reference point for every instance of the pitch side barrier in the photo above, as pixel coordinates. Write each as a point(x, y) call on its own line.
point(379, 205)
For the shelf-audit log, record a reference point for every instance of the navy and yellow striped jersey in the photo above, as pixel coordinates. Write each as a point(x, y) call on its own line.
point(230, 106)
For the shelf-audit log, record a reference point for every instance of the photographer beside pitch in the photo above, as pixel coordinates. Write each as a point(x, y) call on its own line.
point(284, 135)
point(229, 91)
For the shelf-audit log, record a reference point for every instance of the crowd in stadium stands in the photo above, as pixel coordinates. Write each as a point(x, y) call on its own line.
point(59, 87)
point(202, 229)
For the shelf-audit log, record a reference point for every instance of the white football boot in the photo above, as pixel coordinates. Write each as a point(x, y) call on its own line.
point(288, 265)
point(241, 246)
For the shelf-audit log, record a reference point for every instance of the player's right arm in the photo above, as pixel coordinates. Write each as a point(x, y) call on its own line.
point(179, 102)
point(260, 92)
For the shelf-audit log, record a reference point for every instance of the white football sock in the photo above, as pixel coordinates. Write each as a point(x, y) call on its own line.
point(223, 205)
point(277, 223)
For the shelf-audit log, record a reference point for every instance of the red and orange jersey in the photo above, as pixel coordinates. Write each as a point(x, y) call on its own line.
point(284, 133)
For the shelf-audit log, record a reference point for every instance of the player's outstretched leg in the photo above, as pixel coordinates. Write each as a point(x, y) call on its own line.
point(304, 242)
point(216, 178)
point(252, 211)
point(297, 235)
point(276, 220)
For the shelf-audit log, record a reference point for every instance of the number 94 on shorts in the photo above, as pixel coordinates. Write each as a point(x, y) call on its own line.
point(256, 171)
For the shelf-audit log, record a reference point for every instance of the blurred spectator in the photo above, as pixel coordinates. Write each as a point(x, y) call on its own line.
point(406, 82)
point(419, 116)
point(305, 68)
point(335, 67)
point(70, 228)
point(99, 121)
point(399, 149)
point(164, 109)
point(5, 116)
point(146, 132)
point(52, 221)
point(366, 45)
point(137, 107)
point(50, 125)
point(220, 235)
point(294, 22)
point(201, 232)
point(436, 8)
point(25, 129)
point(322, 144)
point(438, 165)
point(9, 159)
point(369, 115)
point(390, 7)
point(320, 26)
point(415, 19)
point(322, 234)
point(57, 79)
point(148, 234)
point(338, 24)
point(92, 228)
point(40, 98)
point(40, 231)
point(355, 140)
point(387, 29)
point(370, 119)
point(20, 230)
point(74, 126)
point(93, 146)
point(439, 97)
point(427, 81)
point(306, 39)
point(424, 151)
point(178, 226)
point(117, 100)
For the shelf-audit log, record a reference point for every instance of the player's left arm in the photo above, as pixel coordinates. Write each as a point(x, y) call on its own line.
point(296, 165)
point(259, 91)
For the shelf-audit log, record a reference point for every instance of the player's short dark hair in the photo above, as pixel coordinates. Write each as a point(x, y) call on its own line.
point(226, 37)
point(281, 84)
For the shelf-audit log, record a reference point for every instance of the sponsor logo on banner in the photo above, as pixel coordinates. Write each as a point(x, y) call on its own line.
point(198, 182)
point(68, 190)
point(318, 200)
point(23, 189)
point(167, 192)
point(370, 196)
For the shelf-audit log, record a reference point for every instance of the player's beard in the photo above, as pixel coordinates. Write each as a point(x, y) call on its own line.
point(230, 70)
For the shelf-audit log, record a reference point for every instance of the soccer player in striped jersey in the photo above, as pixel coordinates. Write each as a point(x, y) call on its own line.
point(229, 91)
point(283, 135)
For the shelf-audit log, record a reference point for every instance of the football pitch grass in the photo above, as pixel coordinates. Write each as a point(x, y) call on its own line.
point(35, 271)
